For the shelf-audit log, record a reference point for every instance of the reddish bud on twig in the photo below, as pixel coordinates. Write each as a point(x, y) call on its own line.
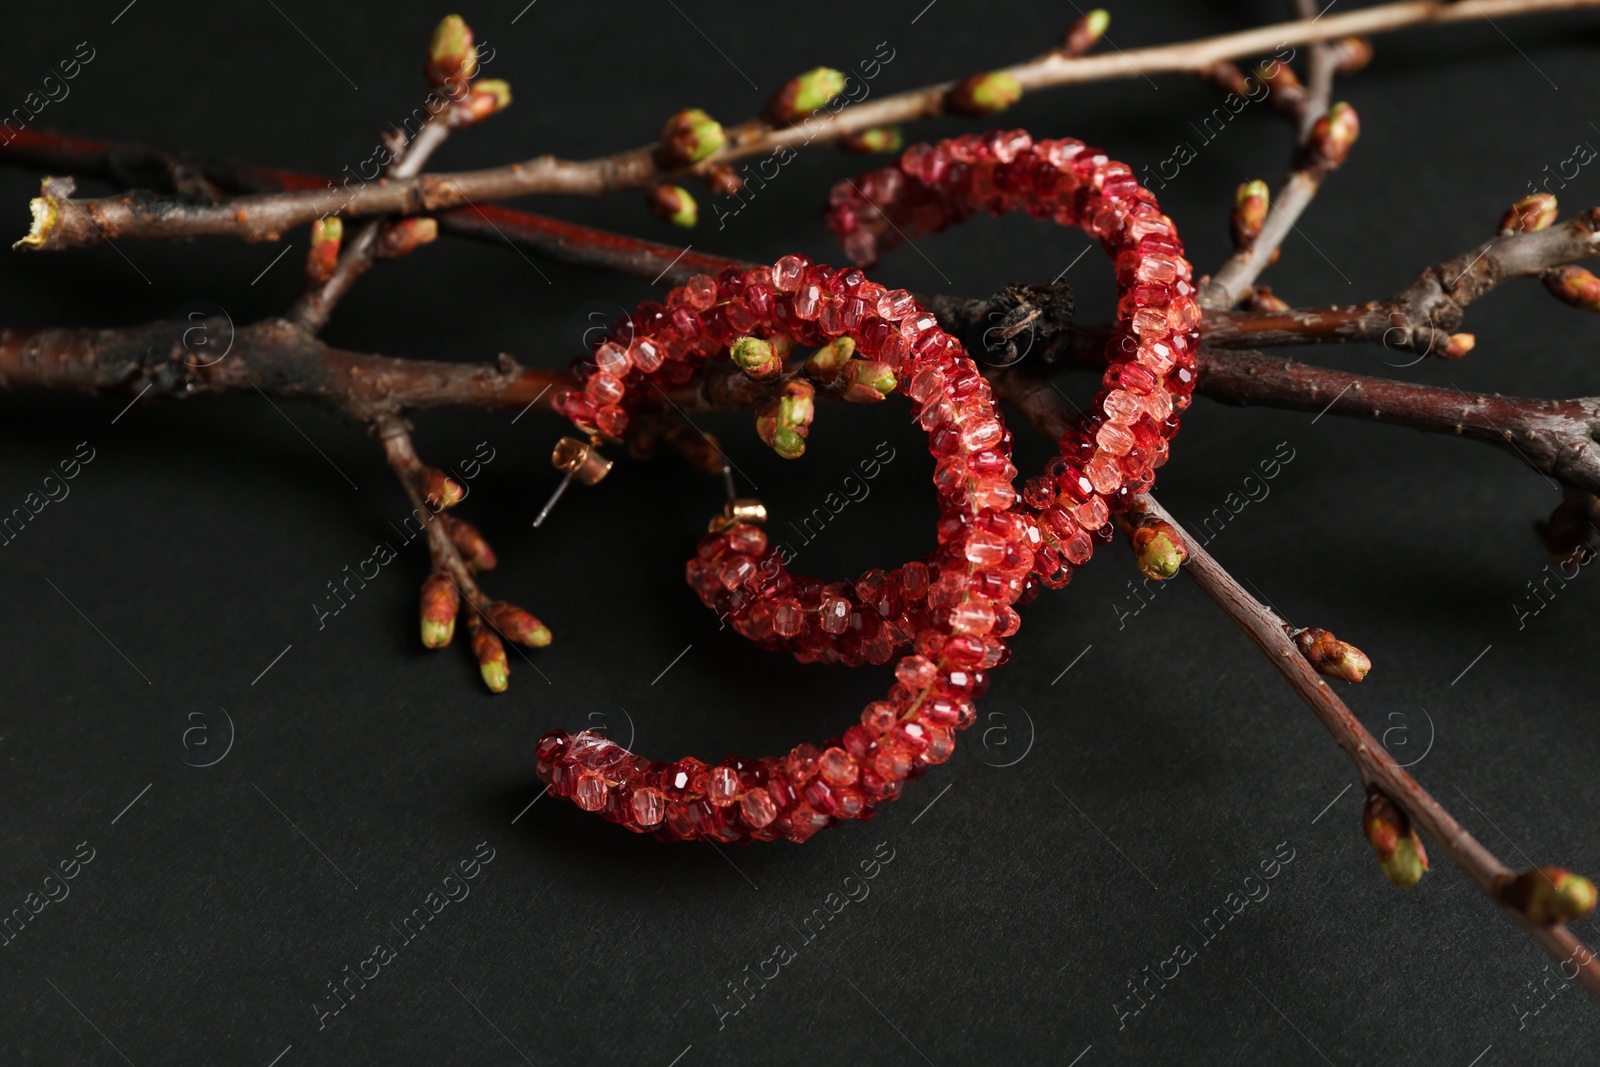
point(877, 139)
point(1228, 78)
point(1549, 895)
point(1251, 203)
point(1575, 286)
point(451, 55)
point(691, 135)
point(1263, 299)
point(1157, 549)
point(440, 603)
point(438, 489)
point(1086, 32)
point(867, 382)
point(400, 239)
point(984, 94)
point(1394, 840)
point(1350, 54)
point(487, 96)
point(826, 362)
point(1284, 88)
point(803, 95)
point(1333, 136)
point(756, 357)
point(673, 204)
point(723, 180)
point(1331, 656)
point(519, 625)
point(1534, 212)
point(475, 551)
point(491, 653)
point(326, 233)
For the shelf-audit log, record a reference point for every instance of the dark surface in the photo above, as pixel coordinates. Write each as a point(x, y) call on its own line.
point(1147, 782)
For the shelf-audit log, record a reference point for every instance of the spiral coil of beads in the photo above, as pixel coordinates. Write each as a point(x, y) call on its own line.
point(947, 616)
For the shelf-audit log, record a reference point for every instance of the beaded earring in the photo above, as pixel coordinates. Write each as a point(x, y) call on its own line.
point(947, 616)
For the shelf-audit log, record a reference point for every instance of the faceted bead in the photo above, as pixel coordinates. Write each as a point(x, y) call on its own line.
point(611, 420)
point(646, 355)
point(1114, 438)
point(985, 548)
point(914, 580)
point(722, 788)
point(1161, 269)
point(611, 359)
point(701, 290)
point(684, 777)
point(896, 304)
point(834, 615)
point(911, 736)
point(916, 672)
point(758, 808)
point(878, 717)
point(786, 273)
point(788, 619)
point(590, 792)
point(1103, 474)
point(803, 763)
point(649, 806)
point(973, 617)
point(1093, 515)
point(980, 434)
point(892, 764)
point(837, 768)
point(808, 302)
point(1122, 407)
point(1151, 324)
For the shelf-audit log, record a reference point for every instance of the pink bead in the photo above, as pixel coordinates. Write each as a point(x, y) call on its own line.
point(1115, 439)
point(973, 617)
point(758, 808)
point(649, 806)
point(723, 787)
point(985, 548)
point(611, 359)
point(896, 304)
point(1103, 474)
point(1122, 406)
point(837, 768)
point(590, 792)
point(788, 619)
point(646, 355)
point(786, 273)
point(701, 290)
point(916, 672)
point(808, 302)
point(1157, 268)
point(980, 434)
point(1093, 515)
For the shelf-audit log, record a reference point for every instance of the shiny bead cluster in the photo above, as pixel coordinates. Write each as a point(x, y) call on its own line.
point(947, 616)
point(1113, 453)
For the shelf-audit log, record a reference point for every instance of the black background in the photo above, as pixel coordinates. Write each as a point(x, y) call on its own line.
point(1159, 771)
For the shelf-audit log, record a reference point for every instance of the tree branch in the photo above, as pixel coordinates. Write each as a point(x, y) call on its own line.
point(1422, 316)
point(1372, 761)
point(265, 216)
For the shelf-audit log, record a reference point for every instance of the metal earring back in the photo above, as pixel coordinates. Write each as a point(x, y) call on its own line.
point(580, 460)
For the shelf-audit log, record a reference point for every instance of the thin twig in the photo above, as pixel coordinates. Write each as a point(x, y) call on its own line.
point(311, 311)
point(265, 216)
point(1372, 761)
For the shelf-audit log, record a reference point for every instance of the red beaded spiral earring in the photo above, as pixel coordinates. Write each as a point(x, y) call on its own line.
point(947, 616)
